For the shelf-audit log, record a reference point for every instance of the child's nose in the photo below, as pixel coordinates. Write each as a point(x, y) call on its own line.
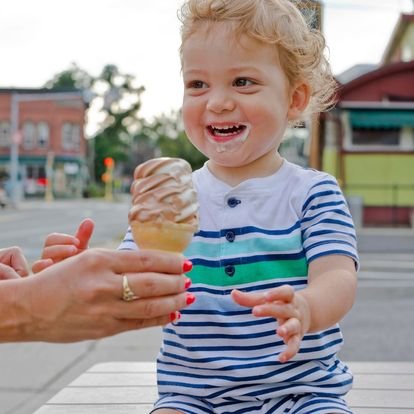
point(219, 102)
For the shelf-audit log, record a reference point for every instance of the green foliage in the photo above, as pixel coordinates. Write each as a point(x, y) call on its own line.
point(172, 141)
point(122, 134)
point(116, 99)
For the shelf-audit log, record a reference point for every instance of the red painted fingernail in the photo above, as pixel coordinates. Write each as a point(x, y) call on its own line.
point(190, 299)
point(187, 283)
point(187, 266)
point(174, 316)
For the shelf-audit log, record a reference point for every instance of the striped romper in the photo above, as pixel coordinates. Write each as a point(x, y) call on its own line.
point(261, 234)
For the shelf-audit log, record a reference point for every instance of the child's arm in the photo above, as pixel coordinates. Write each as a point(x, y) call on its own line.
point(60, 246)
point(325, 301)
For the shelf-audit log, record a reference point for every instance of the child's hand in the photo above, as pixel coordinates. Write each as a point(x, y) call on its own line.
point(289, 308)
point(60, 246)
point(13, 264)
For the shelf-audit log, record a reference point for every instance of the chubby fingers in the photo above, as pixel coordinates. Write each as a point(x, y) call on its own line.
point(84, 233)
point(7, 272)
point(59, 246)
point(14, 257)
point(283, 293)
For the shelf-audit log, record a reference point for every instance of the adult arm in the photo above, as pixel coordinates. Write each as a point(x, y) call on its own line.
point(81, 297)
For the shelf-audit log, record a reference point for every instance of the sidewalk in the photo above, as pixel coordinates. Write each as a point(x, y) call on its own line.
point(386, 240)
point(32, 373)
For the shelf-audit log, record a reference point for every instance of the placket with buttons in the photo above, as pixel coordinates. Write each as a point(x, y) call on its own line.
point(230, 235)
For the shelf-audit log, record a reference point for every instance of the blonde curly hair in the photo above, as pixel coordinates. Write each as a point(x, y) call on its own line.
point(276, 22)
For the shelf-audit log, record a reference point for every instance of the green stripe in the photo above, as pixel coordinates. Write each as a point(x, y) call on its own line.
point(248, 273)
point(244, 247)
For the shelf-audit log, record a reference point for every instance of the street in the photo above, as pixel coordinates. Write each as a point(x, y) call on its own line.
point(378, 328)
point(28, 226)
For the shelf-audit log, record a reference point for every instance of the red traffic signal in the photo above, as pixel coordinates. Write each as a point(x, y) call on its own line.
point(109, 162)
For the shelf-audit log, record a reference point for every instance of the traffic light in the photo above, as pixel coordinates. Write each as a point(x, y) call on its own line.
point(109, 162)
point(107, 177)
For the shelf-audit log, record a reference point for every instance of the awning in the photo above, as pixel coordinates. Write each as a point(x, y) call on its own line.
point(381, 118)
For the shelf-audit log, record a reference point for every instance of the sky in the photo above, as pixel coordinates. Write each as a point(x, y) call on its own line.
point(43, 37)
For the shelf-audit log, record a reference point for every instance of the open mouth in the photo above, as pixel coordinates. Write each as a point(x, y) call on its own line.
point(225, 133)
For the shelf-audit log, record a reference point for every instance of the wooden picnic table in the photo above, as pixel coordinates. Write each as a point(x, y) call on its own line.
point(130, 388)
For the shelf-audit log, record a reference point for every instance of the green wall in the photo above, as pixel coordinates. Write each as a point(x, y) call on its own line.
point(381, 179)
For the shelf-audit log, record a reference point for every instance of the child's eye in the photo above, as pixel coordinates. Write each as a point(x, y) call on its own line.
point(240, 82)
point(196, 84)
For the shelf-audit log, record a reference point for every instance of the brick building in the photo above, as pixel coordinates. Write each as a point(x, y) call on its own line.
point(44, 128)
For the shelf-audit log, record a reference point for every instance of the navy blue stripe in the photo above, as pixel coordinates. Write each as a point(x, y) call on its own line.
point(323, 232)
point(245, 230)
point(196, 288)
point(198, 361)
point(330, 252)
point(281, 367)
point(223, 336)
point(327, 204)
point(318, 195)
point(339, 222)
point(224, 348)
point(237, 378)
point(291, 387)
point(226, 324)
point(326, 212)
point(326, 242)
point(331, 182)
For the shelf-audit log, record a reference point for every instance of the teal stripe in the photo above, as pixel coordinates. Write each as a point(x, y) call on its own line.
point(244, 247)
point(248, 273)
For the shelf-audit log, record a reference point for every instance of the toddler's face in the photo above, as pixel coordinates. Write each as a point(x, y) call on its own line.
point(236, 96)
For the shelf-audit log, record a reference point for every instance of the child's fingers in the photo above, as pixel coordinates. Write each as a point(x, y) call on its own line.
point(291, 350)
point(59, 252)
point(84, 233)
point(7, 272)
point(288, 328)
point(41, 264)
point(248, 299)
point(283, 293)
point(60, 239)
point(276, 310)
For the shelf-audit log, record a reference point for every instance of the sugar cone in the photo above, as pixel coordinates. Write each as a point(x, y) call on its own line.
point(171, 237)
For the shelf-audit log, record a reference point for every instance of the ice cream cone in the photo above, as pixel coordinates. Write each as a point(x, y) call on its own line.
point(171, 237)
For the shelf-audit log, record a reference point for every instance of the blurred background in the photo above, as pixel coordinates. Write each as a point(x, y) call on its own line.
point(90, 89)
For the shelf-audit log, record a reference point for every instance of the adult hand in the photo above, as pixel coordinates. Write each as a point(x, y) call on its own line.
point(81, 297)
point(13, 264)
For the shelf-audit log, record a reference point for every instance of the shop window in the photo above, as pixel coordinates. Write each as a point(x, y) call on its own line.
point(376, 137)
point(42, 135)
point(4, 134)
point(71, 136)
point(29, 135)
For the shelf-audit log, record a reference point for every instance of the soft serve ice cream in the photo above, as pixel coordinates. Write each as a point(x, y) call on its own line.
point(164, 212)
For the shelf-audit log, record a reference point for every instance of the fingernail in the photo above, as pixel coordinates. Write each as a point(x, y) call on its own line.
point(174, 316)
point(190, 299)
point(187, 283)
point(187, 266)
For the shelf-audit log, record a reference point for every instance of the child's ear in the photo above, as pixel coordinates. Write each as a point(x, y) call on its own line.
point(299, 100)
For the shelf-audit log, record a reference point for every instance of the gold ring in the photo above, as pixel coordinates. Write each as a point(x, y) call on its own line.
point(127, 294)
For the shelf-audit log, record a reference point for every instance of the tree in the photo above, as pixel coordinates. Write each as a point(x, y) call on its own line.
point(113, 111)
point(172, 140)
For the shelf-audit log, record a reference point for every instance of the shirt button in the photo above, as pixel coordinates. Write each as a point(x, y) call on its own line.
point(232, 202)
point(230, 270)
point(230, 236)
